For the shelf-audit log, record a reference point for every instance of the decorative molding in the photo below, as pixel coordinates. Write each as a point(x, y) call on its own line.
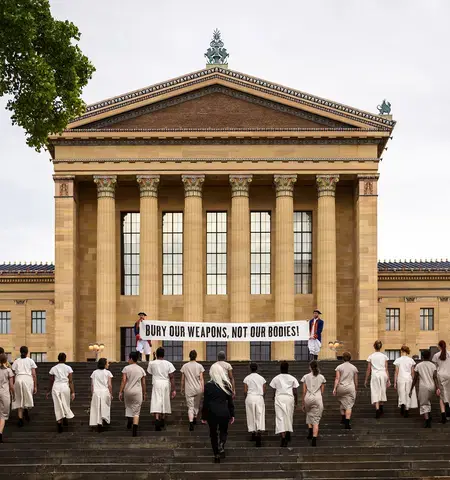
point(23, 279)
point(332, 131)
point(326, 185)
point(193, 185)
point(106, 185)
point(148, 185)
point(400, 276)
point(367, 185)
point(444, 299)
point(20, 302)
point(380, 299)
point(240, 185)
point(51, 302)
point(284, 185)
point(64, 185)
point(410, 299)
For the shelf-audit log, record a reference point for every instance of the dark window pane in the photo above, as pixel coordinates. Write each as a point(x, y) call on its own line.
point(216, 253)
point(301, 350)
point(173, 351)
point(5, 322)
point(172, 240)
point(130, 253)
point(260, 351)
point(260, 253)
point(213, 348)
point(38, 321)
point(303, 252)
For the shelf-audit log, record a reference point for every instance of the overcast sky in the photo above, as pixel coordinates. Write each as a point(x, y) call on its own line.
point(355, 52)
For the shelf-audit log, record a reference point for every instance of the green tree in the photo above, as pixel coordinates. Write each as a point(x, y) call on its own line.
point(42, 70)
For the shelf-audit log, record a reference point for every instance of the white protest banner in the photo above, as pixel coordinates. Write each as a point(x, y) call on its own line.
point(234, 332)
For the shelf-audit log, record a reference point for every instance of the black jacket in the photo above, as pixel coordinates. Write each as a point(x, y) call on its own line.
point(216, 403)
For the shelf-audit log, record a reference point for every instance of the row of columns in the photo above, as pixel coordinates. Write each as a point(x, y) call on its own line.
point(194, 257)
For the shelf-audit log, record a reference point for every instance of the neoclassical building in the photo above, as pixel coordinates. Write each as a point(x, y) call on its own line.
point(218, 197)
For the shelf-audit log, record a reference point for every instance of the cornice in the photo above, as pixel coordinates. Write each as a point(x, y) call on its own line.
point(391, 277)
point(23, 279)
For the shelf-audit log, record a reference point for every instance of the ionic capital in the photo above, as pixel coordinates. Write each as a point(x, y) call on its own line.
point(367, 185)
point(240, 185)
point(284, 185)
point(193, 185)
point(148, 185)
point(106, 185)
point(326, 185)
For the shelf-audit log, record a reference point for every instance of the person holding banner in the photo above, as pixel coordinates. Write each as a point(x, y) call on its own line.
point(285, 387)
point(315, 334)
point(192, 384)
point(144, 347)
point(255, 409)
point(163, 390)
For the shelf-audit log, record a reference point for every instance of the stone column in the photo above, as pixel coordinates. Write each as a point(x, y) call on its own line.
point(366, 277)
point(240, 261)
point(149, 291)
point(193, 290)
point(284, 260)
point(326, 259)
point(65, 266)
point(106, 328)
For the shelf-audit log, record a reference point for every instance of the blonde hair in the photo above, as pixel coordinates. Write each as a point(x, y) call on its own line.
point(219, 376)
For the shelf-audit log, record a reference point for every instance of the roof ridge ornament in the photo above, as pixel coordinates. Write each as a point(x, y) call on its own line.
point(216, 55)
point(384, 108)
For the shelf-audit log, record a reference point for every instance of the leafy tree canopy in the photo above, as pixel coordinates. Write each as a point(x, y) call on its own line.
point(42, 70)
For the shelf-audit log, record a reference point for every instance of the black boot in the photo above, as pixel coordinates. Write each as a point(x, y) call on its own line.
point(222, 450)
point(26, 415)
point(99, 428)
point(378, 413)
point(447, 410)
point(147, 357)
point(129, 423)
point(314, 442)
point(315, 357)
point(443, 417)
point(258, 440)
point(157, 425)
point(402, 410)
point(284, 442)
point(195, 421)
point(191, 426)
point(135, 429)
point(406, 415)
point(163, 423)
point(310, 433)
point(428, 423)
point(342, 419)
point(20, 422)
point(288, 436)
point(59, 427)
point(253, 437)
point(381, 410)
point(347, 424)
point(216, 458)
point(1, 437)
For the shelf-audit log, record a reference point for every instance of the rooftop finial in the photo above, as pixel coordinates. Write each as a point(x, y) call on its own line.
point(216, 55)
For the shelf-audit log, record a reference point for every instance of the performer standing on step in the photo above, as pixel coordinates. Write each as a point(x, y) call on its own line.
point(404, 374)
point(101, 390)
point(426, 375)
point(192, 384)
point(442, 362)
point(134, 388)
point(163, 389)
point(377, 370)
point(144, 347)
point(6, 391)
point(286, 399)
point(25, 385)
point(255, 389)
point(315, 335)
point(345, 388)
point(62, 389)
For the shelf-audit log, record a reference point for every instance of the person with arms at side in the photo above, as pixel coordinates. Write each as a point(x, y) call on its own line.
point(101, 389)
point(144, 347)
point(221, 360)
point(62, 389)
point(134, 390)
point(255, 408)
point(345, 388)
point(25, 385)
point(163, 389)
point(315, 335)
point(404, 374)
point(377, 370)
point(426, 375)
point(442, 362)
point(286, 399)
point(312, 403)
point(6, 391)
point(218, 409)
point(192, 384)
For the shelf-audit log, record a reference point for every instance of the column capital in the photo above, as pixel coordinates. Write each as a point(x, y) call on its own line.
point(64, 185)
point(326, 185)
point(240, 185)
point(193, 185)
point(367, 185)
point(106, 185)
point(148, 185)
point(284, 185)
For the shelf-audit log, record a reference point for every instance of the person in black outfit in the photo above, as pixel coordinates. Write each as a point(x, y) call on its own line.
point(218, 409)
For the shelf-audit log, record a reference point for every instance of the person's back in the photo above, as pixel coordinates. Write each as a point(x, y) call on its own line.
point(426, 370)
point(255, 384)
point(100, 379)
point(283, 384)
point(134, 374)
point(347, 373)
point(378, 361)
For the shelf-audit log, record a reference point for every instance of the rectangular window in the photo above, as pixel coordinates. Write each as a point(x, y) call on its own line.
point(213, 348)
point(39, 357)
point(427, 318)
point(172, 253)
point(260, 252)
point(216, 253)
point(301, 350)
point(173, 350)
point(260, 351)
point(127, 342)
point(38, 321)
point(303, 252)
point(392, 319)
point(131, 227)
point(392, 354)
point(5, 322)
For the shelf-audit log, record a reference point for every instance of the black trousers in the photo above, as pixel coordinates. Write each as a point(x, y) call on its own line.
point(218, 432)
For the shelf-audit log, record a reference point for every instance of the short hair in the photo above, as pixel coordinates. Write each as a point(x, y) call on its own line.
point(62, 357)
point(347, 356)
point(160, 352)
point(2, 350)
point(192, 355)
point(253, 367)
point(23, 351)
point(134, 356)
point(221, 356)
point(426, 354)
point(378, 345)
point(3, 360)
point(284, 367)
point(101, 364)
point(405, 349)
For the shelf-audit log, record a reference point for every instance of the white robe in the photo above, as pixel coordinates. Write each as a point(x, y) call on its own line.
point(284, 413)
point(100, 408)
point(403, 389)
point(160, 397)
point(378, 383)
point(255, 409)
point(61, 401)
point(23, 392)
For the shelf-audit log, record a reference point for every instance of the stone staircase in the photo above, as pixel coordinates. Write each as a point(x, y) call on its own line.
point(392, 447)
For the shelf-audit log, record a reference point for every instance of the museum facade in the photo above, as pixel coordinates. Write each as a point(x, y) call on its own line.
point(219, 197)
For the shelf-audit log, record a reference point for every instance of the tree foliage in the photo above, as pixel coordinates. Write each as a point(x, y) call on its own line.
point(42, 69)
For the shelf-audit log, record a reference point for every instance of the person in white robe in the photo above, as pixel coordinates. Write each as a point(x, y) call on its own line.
point(285, 387)
point(62, 389)
point(6, 391)
point(163, 388)
point(377, 370)
point(442, 362)
point(101, 389)
point(192, 385)
point(255, 408)
point(404, 374)
point(25, 385)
